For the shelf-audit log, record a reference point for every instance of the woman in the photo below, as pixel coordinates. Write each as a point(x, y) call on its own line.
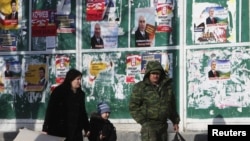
point(66, 114)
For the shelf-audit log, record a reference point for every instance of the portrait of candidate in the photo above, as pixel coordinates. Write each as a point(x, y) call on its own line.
point(164, 11)
point(213, 73)
point(96, 39)
point(141, 35)
point(14, 14)
point(42, 80)
point(8, 72)
point(211, 19)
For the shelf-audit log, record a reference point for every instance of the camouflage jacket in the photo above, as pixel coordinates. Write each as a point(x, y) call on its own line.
point(151, 103)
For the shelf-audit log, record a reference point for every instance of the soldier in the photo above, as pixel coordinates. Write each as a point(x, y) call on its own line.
point(152, 102)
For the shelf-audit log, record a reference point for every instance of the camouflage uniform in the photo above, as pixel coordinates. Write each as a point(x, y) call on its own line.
point(151, 105)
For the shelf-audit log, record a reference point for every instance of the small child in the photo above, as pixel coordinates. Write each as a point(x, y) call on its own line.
point(101, 129)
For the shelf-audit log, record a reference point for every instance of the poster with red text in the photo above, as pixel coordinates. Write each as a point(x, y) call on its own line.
point(133, 67)
point(95, 10)
point(62, 67)
point(164, 17)
point(42, 23)
point(10, 12)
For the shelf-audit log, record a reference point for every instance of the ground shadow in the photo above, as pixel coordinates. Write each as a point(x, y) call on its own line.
point(217, 120)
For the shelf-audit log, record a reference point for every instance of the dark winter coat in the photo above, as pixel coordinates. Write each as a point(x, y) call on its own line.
point(211, 74)
point(98, 126)
point(66, 114)
point(149, 103)
point(94, 42)
point(140, 40)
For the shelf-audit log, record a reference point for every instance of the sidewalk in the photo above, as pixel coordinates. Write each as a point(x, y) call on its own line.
point(125, 136)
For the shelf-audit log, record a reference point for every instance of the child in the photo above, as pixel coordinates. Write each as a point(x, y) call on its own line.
point(101, 129)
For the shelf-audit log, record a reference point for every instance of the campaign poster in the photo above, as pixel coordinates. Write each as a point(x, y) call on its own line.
point(36, 77)
point(100, 69)
point(167, 63)
point(44, 29)
point(144, 27)
point(219, 69)
point(104, 35)
point(62, 67)
point(64, 18)
point(210, 24)
point(133, 67)
point(10, 13)
point(43, 23)
point(10, 69)
point(164, 16)
point(95, 10)
point(8, 41)
point(149, 57)
point(165, 58)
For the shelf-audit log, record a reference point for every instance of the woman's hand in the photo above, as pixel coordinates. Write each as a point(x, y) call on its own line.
point(101, 137)
point(87, 134)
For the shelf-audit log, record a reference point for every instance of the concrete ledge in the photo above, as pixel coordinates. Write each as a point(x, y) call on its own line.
point(125, 136)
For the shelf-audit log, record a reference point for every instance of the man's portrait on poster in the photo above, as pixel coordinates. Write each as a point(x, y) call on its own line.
point(141, 35)
point(8, 72)
point(14, 14)
point(96, 39)
point(213, 73)
point(211, 19)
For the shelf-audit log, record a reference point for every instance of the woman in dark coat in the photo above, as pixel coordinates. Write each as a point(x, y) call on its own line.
point(66, 114)
point(101, 129)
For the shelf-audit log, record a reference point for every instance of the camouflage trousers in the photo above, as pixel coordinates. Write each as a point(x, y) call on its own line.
point(154, 132)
